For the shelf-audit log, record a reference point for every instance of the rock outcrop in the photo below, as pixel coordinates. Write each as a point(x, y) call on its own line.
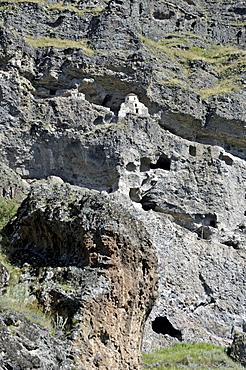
point(237, 351)
point(91, 266)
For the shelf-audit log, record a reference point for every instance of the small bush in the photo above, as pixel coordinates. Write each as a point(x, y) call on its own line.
point(8, 208)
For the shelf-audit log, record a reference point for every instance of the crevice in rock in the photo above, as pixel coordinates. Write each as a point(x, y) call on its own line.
point(208, 219)
point(206, 288)
point(232, 243)
point(161, 325)
point(106, 100)
point(58, 22)
point(52, 92)
point(148, 204)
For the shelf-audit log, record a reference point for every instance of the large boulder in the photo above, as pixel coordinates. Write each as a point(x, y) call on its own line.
point(69, 236)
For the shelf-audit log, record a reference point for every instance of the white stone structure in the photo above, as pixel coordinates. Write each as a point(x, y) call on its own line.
point(133, 106)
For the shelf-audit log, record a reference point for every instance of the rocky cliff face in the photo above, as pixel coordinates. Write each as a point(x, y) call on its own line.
point(180, 171)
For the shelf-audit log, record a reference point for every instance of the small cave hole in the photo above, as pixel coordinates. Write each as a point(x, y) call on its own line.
point(106, 100)
point(235, 244)
point(212, 223)
point(163, 163)
point(52, 92)
point(228, 160)
point(134, 194)
point(238, 36)
point(192, 150)
point(98, 121)
point(193, 25)
point(131, 167)
point(207, 219)
point(161, 325)
point(160, 15)
point(148, 204)
point(145, 164)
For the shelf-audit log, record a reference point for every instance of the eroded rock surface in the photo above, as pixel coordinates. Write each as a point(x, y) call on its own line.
point(68, 236)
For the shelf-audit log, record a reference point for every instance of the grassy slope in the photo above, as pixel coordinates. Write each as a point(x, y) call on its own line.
point(186, 356)
point(227, 62)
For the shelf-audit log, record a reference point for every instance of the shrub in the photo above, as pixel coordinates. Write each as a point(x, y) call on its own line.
point(8, 208)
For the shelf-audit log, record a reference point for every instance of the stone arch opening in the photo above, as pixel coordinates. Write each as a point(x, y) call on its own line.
point(161, 325)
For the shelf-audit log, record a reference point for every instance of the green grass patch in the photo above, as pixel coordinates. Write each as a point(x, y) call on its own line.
point(228, 63)
point(19, 299)
point(223, 87)
point(44, 42)
point(63, 8)
point(186, 356)
point(8, 208)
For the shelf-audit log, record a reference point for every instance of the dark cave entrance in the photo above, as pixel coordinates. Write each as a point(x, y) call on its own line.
point(163, 162)
point(161, 325)
point(52, 92)
point(106, 101)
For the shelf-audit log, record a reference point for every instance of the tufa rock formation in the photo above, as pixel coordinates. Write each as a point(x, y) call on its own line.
point(69, 236)
point(178, 170)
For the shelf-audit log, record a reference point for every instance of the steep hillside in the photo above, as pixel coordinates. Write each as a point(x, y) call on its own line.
point(179, 170)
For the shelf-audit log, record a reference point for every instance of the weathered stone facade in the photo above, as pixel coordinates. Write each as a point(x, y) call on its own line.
point(132, 106)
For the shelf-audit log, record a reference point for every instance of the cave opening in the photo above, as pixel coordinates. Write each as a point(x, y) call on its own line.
point(161, 325)
point(212, 223)
point(147, 203)
point(145, 164)
point(228, 160)
point(192, 150)
point(52, 92)
point(163, 163)
point(106, 101)
point(160, 15)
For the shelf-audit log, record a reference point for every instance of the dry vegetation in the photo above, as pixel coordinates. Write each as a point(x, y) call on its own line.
point(226, 63)
point(44, 42)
